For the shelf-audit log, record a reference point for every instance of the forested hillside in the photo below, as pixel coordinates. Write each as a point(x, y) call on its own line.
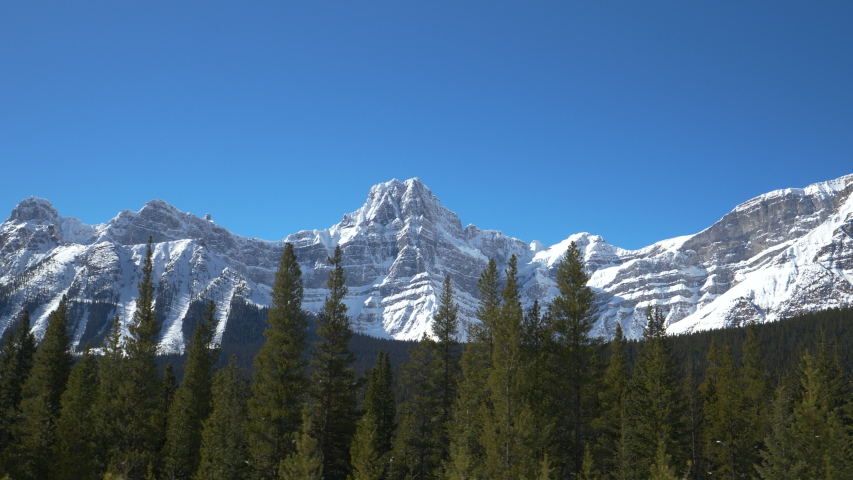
point(531, 395)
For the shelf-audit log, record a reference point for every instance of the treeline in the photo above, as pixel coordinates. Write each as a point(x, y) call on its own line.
point(531, 395)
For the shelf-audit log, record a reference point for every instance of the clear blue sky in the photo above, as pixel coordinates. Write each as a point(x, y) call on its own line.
point(637, 121)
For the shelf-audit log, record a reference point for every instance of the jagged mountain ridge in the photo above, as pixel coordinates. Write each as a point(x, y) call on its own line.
point(782, 253)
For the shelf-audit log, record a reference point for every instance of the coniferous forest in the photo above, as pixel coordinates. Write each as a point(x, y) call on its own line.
point(530, 395)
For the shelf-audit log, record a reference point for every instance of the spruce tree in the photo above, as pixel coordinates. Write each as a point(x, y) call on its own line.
point(466, 447)
point(333, 389)
point(654, 404)
point(76, 431)
point(536, 334)
point(416, 453)
point(576, 362)
point(611, 397)
point(16, 361)
point(757, 393)
point(368, 463)
point(445, 330)
point(279, 376)
point(693, 424)
point(726, 442)
point(305, 462)
point(192, 401)
point(108, 414)
point(375, 430)
point(41, 395)
point(507, 423)
point(224, 451)
point(140, 420)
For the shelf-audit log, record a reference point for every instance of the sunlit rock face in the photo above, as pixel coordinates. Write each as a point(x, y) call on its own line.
point(780, 254)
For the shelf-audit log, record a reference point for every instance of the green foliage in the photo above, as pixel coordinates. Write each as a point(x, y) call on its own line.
point(445, 330)
point(16, 361)
point(137, 425)
point(654, 403)
point(305, 463)
point(576, 363)
point(192, 401)
point(76, 433)
point(368, 462)
point(41, 400)
point(507, 419)
point(333, 389)
point(611, 399)
point(380, 403)
point(224, 453)
point(279, 377)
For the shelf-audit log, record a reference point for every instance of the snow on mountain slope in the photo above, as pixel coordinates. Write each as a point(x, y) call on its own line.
point(779, 254)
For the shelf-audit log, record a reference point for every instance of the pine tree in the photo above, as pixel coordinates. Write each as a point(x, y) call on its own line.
point(16, 361)
point(653, 403)
point(445, 330)
point(368, 463)
point(661, 469)
point(381, 403)
point(333, 389)
point(507, 425)
point(279, 376)
point(535, 342)
point(108, 408)
point(416, 453)
point(476, 362)
point(192, 401)
point(588, 470)
point(224, 451)
point(777, 458)
point(76, 432)
point(693, 423)
point(41, 395)
point(305, 463)
point(140, 421)
point(611, 399)
point(727, 446)
point(576, 356)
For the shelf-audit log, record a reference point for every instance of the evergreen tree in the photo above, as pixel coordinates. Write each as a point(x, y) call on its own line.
point(279, 376)
point(778, 457)
point(305, 463)
point(368, 463)
point(588, 470)
point(108, 408)
point(576, 361)
point(507, 424)
point(653, 403)
point(333, 389)
point(661, 469)
point(380, 402)
point(224, 451)
point(16, 361)
point(445, 330)
point(611, 397)
point(76, 432)
point(416, 453)
point(192, 401)
point(727, 445)
point(693, 423)
point(41, 394)
point(535, 342)
point(139, 400)
point(466, 448)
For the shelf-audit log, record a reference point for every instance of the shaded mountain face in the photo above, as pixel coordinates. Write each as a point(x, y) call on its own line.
point(780, 254)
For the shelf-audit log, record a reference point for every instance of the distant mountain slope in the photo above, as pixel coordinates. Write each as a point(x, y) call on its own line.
point(782, 253)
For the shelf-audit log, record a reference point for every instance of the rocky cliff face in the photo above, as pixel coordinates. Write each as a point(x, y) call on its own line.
point(782, 253)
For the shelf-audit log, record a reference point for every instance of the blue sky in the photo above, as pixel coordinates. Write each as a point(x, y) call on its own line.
point(637, 121)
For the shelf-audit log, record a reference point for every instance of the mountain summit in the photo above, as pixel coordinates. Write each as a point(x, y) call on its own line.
point(779, 254)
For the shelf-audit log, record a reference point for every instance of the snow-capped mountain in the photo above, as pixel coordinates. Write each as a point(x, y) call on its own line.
point(782, 253)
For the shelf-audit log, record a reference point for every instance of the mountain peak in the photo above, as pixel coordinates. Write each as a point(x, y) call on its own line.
point(393, 200)
point(34, 209)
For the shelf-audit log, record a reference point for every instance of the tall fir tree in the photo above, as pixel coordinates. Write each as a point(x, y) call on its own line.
point(507, 422)
point(416, 453)
point(16, 361)
point(576, 357)
point(41, 399)
point(653, 404)
point(192, 401)
point(536, 337)
point(466, 450)
point(726, 445)
point(693, 419)
point(445, 330)
point(76, 432)
point(375, 430)
point(140, 420)
point(611, 397)
point(305, 462)
point(757, 392)
point(224, 451)
point(333, 389)
point(108, 407)
point(279, 376)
